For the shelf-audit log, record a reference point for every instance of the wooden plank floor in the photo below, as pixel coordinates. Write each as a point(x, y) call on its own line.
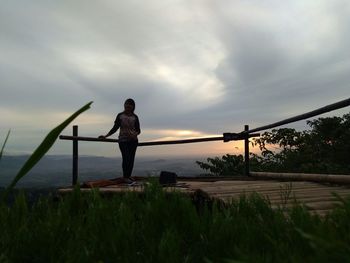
point(318, 198)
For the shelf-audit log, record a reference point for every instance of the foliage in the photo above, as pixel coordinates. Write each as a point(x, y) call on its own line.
point(3, 146)
point(42, 149)
point(324, 148)
point(227, 165)
point(163, 227)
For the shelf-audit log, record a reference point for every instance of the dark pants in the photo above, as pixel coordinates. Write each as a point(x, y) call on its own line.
point(128, 150)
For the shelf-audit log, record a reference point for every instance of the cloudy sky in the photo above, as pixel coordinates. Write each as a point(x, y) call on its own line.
point(194, 67)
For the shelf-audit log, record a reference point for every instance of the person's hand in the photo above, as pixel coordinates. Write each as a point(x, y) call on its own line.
point(102, 137)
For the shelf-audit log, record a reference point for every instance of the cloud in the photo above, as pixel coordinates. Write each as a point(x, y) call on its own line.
point(202, 66)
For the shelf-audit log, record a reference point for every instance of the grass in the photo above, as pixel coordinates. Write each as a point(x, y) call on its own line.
point(167, 228)
point(3, 145)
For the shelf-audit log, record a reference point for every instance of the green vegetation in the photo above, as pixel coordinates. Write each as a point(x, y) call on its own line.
point(3, 146)
point(226, 165)
point(324, 148)
point(158, 227)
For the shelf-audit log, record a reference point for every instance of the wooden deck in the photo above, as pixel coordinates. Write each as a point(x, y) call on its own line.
point(318, 198)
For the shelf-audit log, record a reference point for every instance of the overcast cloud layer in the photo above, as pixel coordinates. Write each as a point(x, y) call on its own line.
point(194, 68)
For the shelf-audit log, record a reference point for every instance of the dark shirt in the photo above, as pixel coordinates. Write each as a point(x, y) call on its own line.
point(129, 127)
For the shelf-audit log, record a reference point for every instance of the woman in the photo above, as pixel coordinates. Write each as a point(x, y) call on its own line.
point(129, 125)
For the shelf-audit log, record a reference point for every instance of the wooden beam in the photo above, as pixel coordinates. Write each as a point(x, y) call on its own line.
point(324, 178)
point(328, 108)
point(246, 151)
point(75, 156)
point(153, 143)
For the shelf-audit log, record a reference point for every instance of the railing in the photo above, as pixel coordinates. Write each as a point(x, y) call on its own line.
point(226, 137)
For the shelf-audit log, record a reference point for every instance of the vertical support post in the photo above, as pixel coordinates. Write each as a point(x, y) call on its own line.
point(246, 151)
point(75, 155)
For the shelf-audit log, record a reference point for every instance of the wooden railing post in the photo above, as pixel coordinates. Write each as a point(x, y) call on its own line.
point(75, 155)
point(246, 151)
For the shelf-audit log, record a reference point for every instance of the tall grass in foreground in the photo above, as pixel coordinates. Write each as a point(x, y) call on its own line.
point(3, 145)
point(159, 227)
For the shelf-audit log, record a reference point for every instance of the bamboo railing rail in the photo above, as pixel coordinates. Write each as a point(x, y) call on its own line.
point(226, 138)
point(320, 178)
point(310, 114)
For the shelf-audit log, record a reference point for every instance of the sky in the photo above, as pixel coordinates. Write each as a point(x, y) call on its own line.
point(194, 67)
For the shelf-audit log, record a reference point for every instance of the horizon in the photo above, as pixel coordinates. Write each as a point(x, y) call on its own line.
point(196, 151)
point(56, 171)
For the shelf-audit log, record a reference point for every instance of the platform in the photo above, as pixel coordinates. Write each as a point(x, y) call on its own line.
point(317, 197)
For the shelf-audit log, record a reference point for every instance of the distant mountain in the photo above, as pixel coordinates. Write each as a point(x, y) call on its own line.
point(56, 170)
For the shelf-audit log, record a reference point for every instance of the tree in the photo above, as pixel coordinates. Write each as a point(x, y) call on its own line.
point(325, 148)
point(226, 165)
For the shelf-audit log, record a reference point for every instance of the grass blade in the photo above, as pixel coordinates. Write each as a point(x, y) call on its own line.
point(44, 147)
point(3, 146)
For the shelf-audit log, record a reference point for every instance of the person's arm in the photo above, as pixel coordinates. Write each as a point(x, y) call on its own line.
point(137, 125)
point(114, 128)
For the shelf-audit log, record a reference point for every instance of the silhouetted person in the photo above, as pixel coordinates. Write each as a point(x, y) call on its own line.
point(129, 125)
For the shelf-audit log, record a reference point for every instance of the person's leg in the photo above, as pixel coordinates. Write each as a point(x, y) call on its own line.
point(124, 151)
point(132, 146)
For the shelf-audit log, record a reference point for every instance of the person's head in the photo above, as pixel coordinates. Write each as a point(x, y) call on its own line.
point(129, 106)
